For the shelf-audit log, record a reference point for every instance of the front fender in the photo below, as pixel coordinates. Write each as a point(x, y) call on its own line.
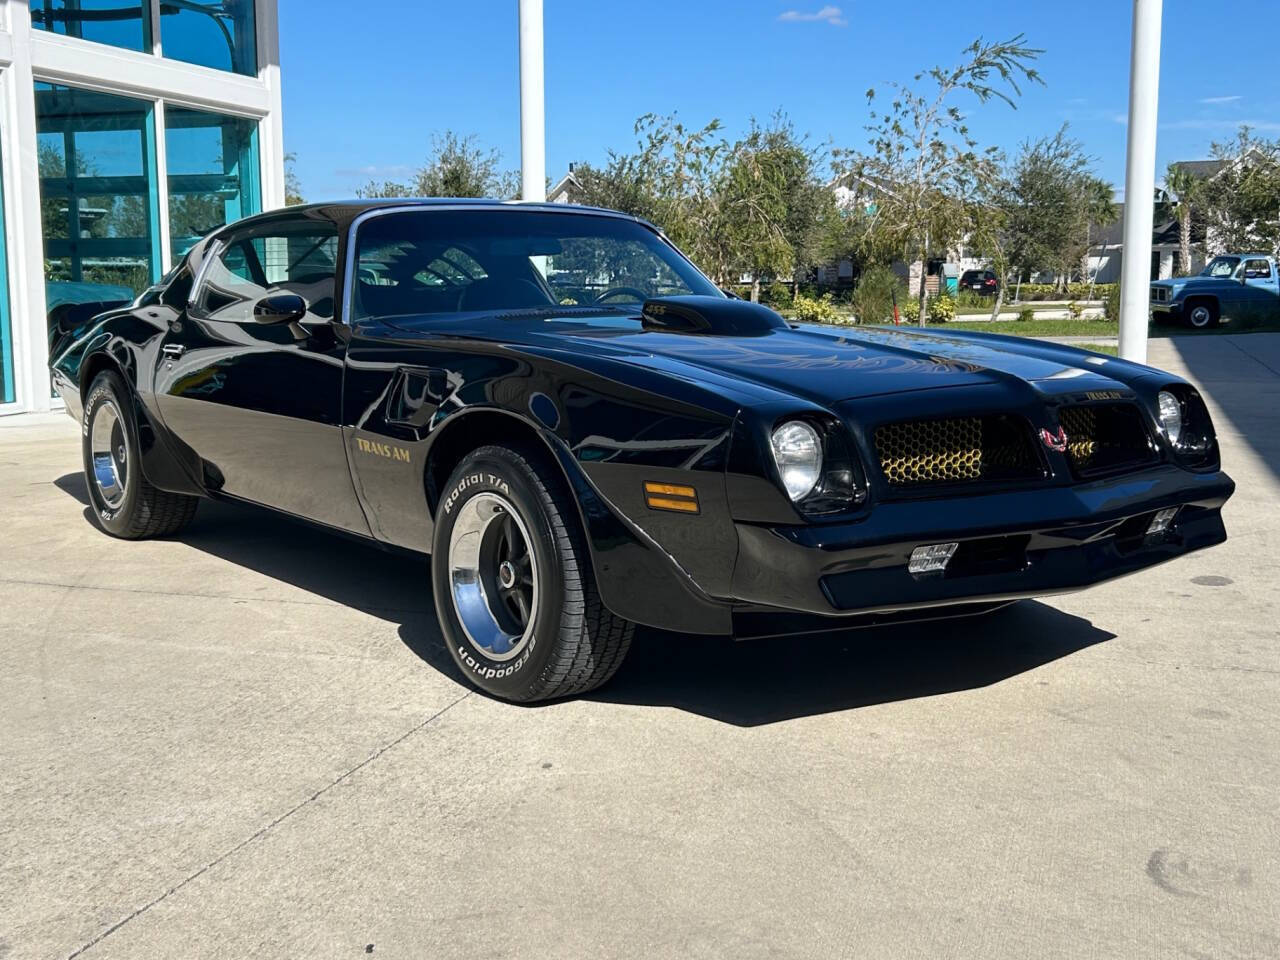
point(125, 343)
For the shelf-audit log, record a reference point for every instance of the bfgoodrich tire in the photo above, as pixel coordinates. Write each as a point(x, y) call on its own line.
point(121, 500)
point(513, 584)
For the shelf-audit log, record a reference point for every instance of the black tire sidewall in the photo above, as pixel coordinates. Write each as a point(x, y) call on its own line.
point(108, 386)
point(493, 471)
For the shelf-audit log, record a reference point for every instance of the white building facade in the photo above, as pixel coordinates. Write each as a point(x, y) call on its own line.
point(128, 129)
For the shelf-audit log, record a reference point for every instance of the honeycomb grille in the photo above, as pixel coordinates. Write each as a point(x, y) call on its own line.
point(1081, 427)
point(955, 450)
point(1102, 438)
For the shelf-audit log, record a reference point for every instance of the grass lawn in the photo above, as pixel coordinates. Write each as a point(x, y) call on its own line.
point(1066, 327)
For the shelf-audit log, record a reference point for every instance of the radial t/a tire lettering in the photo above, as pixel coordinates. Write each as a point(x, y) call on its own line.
point(513, 583)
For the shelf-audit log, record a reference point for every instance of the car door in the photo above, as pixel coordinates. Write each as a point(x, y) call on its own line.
point(261, 403)
point(1260, 278)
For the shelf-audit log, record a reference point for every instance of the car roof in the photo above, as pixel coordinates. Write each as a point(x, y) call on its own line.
point(343, 212)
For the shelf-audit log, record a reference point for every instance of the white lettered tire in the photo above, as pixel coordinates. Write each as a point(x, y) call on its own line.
point(514, 589)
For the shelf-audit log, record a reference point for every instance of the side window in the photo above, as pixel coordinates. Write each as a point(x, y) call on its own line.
point(298, 258)
point(1257, 270)
point(178, 292)
point(392, 278)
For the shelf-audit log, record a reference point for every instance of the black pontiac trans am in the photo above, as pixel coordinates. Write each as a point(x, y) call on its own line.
point(585, 434)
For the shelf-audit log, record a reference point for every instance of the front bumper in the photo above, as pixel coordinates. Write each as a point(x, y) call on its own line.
point(1012, 545)
point(1166, 309)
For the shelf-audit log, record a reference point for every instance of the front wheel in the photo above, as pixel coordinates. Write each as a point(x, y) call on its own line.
point(514, 589)
point(1202, 315)
point(124, 504)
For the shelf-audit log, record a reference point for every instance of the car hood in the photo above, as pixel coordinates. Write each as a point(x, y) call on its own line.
point(1175, 283)
point(821, 363)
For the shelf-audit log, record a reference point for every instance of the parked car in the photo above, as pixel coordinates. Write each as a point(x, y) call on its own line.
point(660, 455)
point(983, 282)
point(1237, 281)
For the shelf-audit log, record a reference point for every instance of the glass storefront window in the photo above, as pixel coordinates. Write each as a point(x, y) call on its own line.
point(212, 34)
point(120, 23)
point(97, 162)
point(214, 175)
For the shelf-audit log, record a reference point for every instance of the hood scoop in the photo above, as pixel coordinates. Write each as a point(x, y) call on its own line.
point(709, 316)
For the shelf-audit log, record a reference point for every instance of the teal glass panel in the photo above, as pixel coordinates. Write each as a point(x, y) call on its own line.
point(212, 34)
point(6, 333)
point(214, 177)
point(97, 201)
point(119, 23)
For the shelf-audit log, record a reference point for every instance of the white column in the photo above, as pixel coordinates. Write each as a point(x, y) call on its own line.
point(271, 127)
point(162, 186)
point(25, 238)
point(1140, 179)
point(533, 157)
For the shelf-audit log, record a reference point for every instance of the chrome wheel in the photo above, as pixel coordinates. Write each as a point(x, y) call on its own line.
point(1200, 316)
point(493, 576)
point(110, 454)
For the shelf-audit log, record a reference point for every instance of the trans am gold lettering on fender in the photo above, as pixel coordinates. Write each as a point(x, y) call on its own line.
point(378, 449)
point(1105, 395)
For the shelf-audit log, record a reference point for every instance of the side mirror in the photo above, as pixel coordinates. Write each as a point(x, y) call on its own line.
point(280, 308)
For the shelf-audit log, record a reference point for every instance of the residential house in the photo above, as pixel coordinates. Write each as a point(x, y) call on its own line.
point(567, 190)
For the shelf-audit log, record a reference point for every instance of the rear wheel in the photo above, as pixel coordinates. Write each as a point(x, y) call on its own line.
point(514, 588)
point(1202, 314)
point(123, 503)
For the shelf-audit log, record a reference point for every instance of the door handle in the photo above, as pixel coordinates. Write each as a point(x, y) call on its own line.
point(172, 351)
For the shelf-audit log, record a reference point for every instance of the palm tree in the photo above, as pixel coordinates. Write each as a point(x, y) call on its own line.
point(1182, 184)
point(1100, 208)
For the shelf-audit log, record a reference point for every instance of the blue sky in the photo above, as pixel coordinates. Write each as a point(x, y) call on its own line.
point(365, 85)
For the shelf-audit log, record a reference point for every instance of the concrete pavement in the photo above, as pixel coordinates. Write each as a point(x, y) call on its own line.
point(250, 742)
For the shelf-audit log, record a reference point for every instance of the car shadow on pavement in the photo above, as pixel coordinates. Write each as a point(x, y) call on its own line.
point(745, 683)
point(393, 585)
point(752, 682)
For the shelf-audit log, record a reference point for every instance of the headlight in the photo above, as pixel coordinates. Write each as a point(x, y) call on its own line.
point(797, 450)
point(1170, 416)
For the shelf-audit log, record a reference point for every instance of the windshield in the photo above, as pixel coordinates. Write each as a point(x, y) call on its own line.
point(450, 261)
point(1220, 267)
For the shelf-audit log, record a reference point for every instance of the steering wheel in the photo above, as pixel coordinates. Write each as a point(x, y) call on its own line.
point(634, 292)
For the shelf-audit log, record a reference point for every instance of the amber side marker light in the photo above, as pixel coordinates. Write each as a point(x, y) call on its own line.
point(671, 496)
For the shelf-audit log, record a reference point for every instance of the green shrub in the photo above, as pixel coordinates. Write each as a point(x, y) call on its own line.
point(872, 299)
point(968, 298)
point(1026, 314)
point(1050, 291)
point(810, 310)
point(941, 309)
point(910, 310)
point(776, 295)
point(1075, 310)
point(1111, 305)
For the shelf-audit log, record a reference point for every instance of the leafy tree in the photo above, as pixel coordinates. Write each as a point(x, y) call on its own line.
point(292, 185)
point(622, 184)
point(456, 167)
point(769, 199)
point(753, 205)
point(1048, 199)
point(924, 159)
point(375, 189)
point(1182, 188)
point(1242, 203)
point(1095, 206)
